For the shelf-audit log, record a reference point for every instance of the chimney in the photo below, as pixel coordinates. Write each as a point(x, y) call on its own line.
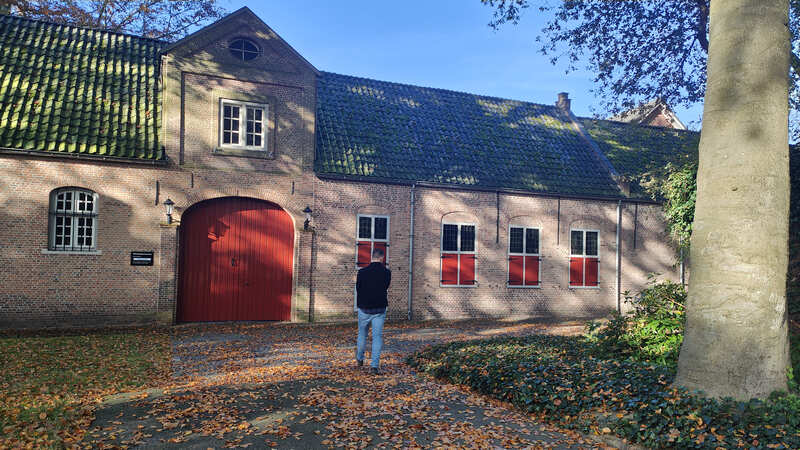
point(563, 102)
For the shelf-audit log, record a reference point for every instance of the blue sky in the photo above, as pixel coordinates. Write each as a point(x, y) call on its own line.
point(438, 43)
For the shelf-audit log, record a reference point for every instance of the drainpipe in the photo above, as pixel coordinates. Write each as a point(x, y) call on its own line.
point(619, 226)
point(411, 254)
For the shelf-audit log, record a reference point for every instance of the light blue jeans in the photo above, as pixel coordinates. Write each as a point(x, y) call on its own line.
point(364, 321)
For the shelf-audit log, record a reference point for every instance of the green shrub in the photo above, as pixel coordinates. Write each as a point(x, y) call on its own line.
point(652, 332)
point(553, 378)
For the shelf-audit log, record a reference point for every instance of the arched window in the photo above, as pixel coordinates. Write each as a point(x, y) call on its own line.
point(244, 49)
point(73, 220)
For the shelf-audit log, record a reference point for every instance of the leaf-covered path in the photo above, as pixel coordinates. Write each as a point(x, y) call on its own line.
point(296, 386)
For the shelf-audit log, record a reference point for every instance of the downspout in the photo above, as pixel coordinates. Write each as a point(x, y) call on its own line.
point(497, 217)
point(619, 260)
point(411, 254)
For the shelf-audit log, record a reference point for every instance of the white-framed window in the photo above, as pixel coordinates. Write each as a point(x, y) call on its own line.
point(372, 232)
point(584, 258)
point(242, 125)
point(73, 220)
point(244, 49)
point(524, 263)
point(458, 254)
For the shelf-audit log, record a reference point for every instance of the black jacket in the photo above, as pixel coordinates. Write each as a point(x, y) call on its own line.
point(371, 285)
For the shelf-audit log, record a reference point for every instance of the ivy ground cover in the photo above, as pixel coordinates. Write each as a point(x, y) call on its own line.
point(553, 378)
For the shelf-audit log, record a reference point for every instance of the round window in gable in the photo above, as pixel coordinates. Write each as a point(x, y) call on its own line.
point(244, 49)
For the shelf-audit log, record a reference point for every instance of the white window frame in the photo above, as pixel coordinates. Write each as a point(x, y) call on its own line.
point(73, 216)
point(372, 239)
point(584, 256)
point(242, 145)
point(523, 254)
point(459, 252)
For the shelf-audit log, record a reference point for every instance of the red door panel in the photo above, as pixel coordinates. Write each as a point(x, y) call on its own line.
point(236, 259)
point(515, 270)
point(576, 271)
point(467, 270)
point(449, 268)
point(531, 271)
point(591, 271)
point(364, 253)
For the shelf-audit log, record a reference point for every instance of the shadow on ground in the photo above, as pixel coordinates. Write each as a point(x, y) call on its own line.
point(296, 386)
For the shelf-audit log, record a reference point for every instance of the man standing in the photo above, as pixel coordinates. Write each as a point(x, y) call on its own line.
point(371, 285)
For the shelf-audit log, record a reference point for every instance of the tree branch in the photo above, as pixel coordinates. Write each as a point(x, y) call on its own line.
point(702, 23)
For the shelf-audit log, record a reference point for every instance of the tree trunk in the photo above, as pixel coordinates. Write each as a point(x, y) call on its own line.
point(736, 342)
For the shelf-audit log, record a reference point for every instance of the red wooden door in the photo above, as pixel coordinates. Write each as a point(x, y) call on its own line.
point(236, 257)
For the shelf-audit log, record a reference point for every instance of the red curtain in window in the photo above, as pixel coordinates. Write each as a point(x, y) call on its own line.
point(576, 271)
point(515, 270)
point(591, 272)
point(467, 271)
point(531, 271)
point(364, 253)
point(449, 268)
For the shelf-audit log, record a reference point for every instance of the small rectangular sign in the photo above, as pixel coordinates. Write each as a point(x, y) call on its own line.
point(141, 258)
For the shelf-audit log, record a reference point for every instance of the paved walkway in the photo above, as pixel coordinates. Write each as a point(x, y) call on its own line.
point(296, 386)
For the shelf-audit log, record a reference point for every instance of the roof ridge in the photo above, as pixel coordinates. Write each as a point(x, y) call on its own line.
point(99, 30)
point(453, 91)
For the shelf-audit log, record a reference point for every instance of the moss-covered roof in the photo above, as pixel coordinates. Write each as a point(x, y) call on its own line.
point(368, 129)
point(67, 89)
point(641, 153)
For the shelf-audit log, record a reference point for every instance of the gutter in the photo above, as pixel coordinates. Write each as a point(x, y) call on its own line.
point(428, 184)
point(411, 255)
point(83, 157)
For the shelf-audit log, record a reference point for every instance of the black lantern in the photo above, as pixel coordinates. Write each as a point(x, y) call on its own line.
point(307, 223)
point(168, 204)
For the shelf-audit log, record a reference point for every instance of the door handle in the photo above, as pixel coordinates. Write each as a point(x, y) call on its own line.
point(233, 262)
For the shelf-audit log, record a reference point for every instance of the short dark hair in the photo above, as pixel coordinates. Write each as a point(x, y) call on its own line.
point(377, 253)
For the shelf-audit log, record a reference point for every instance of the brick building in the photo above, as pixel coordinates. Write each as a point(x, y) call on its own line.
point(487, 207)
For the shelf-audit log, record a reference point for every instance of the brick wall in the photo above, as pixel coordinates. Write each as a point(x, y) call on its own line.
point(339, 202)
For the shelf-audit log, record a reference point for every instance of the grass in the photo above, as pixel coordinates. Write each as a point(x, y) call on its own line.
point(48, 384)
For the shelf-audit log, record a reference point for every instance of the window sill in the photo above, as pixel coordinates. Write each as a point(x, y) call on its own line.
point(466, 286)
point(531, 286)
point(243, 153)
point(70, 252)
point(584, 287)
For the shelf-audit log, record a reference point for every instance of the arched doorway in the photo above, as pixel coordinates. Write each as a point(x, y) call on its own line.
point(236, 259)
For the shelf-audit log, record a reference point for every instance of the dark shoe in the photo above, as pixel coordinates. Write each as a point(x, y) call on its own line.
point(360, 363)
point(374, 371)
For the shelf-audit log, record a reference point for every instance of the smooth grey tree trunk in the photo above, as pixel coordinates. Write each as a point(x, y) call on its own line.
point(736, 340)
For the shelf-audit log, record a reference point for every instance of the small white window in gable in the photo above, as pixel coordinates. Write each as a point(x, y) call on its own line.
point(244, 49)
point(242, 125)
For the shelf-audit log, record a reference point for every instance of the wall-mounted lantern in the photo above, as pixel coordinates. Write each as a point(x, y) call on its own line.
point(307, 223)
point(168, 204)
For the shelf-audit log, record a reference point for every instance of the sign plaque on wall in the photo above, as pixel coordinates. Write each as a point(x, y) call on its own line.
point(141, 258)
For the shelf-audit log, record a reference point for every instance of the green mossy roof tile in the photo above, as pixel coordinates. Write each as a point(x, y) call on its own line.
point(368, 128)
point(641, 153)
point(77, 90)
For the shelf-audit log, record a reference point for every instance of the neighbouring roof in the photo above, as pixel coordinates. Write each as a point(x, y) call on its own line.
point(641, 153)
point(368, 129)
point(655, 112)
point(68, 89)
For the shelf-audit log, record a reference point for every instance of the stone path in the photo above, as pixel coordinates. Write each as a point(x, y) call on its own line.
point(296, 386)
